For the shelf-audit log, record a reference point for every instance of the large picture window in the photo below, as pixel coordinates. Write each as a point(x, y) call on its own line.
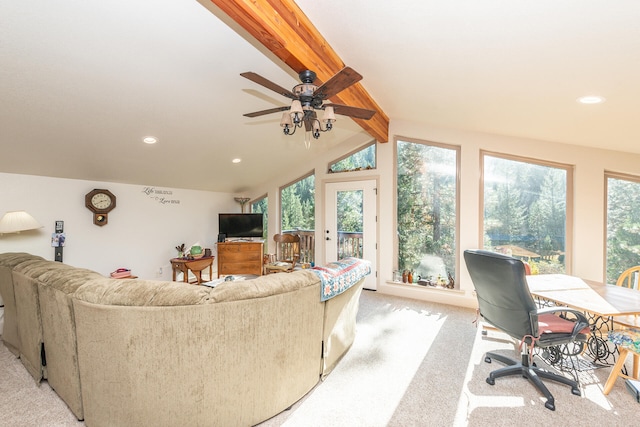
point(526, 210)
point(623, 224)
point(427, 194)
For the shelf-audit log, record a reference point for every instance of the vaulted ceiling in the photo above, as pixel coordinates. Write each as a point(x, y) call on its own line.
point(82, 82)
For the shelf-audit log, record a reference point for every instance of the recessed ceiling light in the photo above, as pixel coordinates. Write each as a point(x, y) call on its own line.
point(591, 99)
point(149, 139)
point(236, 160)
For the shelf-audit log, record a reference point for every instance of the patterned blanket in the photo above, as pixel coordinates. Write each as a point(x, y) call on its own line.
point(338, 276)
point(626, 338)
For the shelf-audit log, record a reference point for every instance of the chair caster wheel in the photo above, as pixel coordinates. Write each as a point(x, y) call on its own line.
point(487, 359)
point(550, 405)
point(576, 391)
point(491, 381)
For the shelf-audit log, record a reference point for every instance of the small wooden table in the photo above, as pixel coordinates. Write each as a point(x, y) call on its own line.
point(195, 265)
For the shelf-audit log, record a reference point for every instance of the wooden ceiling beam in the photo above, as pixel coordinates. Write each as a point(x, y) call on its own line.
point(286, 31)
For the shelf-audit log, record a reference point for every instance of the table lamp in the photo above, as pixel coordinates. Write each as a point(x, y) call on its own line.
point(17, 221)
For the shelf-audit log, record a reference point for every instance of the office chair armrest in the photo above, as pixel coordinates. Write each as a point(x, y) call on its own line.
point(581, 320)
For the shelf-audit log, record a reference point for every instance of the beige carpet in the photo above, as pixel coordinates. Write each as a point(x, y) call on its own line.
point(413, 364)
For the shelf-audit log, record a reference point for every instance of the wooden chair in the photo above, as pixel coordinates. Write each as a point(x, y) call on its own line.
point(627, 342)
point(629, 278)
point(287, 254)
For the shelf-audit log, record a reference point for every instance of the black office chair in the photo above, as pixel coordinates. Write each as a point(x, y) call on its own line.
point(505, 302)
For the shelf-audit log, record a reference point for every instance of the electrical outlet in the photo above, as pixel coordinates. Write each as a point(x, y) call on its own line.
point(160, 271)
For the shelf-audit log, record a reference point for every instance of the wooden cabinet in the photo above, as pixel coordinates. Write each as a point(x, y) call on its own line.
point(240, 258)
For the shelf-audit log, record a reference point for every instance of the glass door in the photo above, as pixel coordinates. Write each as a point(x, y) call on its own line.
point(351, 223)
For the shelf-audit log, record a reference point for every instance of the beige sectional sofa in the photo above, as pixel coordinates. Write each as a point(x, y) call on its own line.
point(140, 352)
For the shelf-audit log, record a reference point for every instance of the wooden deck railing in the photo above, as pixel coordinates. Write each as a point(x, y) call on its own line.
point(349, 244)
point(307, 244)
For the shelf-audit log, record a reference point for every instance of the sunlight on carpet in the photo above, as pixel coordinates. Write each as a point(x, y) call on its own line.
point(385, 356)
point(513, 392)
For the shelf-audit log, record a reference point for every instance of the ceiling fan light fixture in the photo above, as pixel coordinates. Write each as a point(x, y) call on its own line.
point(296, 111)
point(307, 97)
point(329, 115)
point(287, 124)
point(286, 120)
point(316, 129)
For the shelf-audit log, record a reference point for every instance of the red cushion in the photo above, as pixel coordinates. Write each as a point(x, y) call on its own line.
point(550, 323)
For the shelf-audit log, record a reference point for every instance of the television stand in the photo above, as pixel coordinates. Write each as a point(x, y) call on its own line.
point(240, 258)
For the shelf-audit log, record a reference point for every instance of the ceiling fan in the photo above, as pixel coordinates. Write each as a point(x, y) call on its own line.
point(308, 97)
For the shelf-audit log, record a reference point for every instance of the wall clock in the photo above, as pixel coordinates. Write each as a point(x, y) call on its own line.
point(100, 202)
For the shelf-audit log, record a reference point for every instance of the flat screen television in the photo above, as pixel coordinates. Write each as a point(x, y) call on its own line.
point(240, 224)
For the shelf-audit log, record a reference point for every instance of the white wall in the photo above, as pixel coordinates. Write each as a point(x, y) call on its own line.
point(142, 231)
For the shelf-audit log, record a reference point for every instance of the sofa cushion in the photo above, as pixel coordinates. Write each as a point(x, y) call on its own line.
point(263, 286)
point(10, 329)
point(55, 290)
point(11, 259)
point(10, 334)
point(139, 292)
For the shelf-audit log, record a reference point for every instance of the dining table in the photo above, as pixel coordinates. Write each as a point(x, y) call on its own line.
point(605, 306)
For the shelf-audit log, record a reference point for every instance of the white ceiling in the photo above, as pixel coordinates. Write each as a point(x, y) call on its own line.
point(81, 82)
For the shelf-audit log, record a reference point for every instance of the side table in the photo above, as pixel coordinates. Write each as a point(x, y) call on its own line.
point(196, 266)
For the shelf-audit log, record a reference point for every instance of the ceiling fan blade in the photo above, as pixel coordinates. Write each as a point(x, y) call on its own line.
point(342, 80)
point(256, 78)
point(269, 111)
point(355, 112)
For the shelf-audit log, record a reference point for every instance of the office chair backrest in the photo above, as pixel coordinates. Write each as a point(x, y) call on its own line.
point(503, 294)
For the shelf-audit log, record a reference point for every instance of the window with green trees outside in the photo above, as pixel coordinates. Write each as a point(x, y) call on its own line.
point(297, 205)
point(362, 159)
point(427, 203)
point(525, 211)
point(623, 224)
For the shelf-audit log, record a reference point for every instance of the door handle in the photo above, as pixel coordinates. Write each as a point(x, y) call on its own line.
point(328, 238)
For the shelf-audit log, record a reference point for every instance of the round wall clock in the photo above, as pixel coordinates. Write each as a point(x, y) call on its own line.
point(100, 202)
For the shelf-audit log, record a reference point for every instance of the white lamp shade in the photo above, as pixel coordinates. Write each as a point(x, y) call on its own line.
point(296, 111)
point(329, 115)
point(17, 221)
point(286, 119)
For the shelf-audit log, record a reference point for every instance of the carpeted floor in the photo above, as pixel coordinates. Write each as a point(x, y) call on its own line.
point(413, 363)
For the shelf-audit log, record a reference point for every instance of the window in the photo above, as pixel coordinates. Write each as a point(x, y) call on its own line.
point(297, 203)
point(298, 213)
point(525, 211)
point(261, 205)
point(427, 198)
point(364, 158)
point(623, 224)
